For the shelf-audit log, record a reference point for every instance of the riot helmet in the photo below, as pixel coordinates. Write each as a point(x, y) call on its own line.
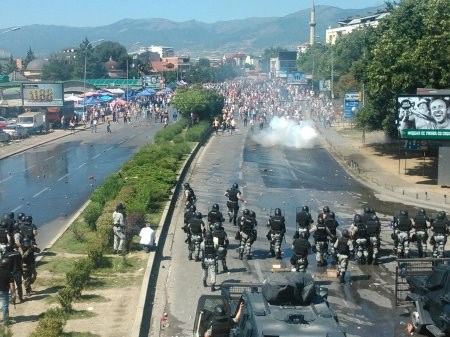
point(303, 234)
point(218, 226)
point(193, 208)
point(28, 219)
point(403, 212)
point(198, 215)
point(421, 211)
point(326, 209)
point(246, 212)
point(21, 216)
point(235, 186)
point(215, 207)
point(186, 185)
point(366, 210)
point(441, 215)
point(277, 211)
point(219, 311)
point(372, 210)
point(357, 218)
point(305, 209)
point(331, 215)
point(345, 233)
point(253, 214)
point(5, 263)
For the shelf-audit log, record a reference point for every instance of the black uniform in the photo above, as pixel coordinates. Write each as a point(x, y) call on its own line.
point(214, 217)
point(301, 249)
point(277, 229)
point(247, 235)
point(233, 204)
point(16, 270)
point(222, 242)
point(29, 268)
point(195, 237)
point(304, 220)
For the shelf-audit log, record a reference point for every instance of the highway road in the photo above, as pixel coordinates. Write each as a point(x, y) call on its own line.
point(52, 181)
point(272, 177)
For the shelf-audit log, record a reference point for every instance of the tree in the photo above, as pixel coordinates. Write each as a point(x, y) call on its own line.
point(94, 67)
point(57, 70)
point(106, 50)
point(11, 66)
point(30, 57)
point(205, 102)
point(409, 50)
point(204, 63)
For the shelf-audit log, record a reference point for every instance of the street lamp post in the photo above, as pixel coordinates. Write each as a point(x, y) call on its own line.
point(10, 30)
point(128, 88)
point(85, 65)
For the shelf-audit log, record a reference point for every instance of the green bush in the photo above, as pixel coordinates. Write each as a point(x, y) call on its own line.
point(105, 232)
point(108, 190)
point(77, 278)
point(169, 132)
point(5, 331)
point(92, 213)
point(49, 327)
point(195, 133)
point(65, 298)
point(95, 253)
point(178, 139)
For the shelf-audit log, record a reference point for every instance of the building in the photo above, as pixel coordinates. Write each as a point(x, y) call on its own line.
point(346, 26)
point(34, 69)
point(312, 25)
point(161, 50)
point(237, 59)
point(301, 49)
point(113, 69)
point(67, 55)
point(284, 64)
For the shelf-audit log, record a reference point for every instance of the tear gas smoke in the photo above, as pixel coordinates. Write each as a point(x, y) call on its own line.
point(289, 133)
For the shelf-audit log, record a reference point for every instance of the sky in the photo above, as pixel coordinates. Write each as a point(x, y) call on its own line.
point(93, 13)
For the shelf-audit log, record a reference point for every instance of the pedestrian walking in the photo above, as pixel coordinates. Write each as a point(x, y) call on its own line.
point(119, 229)
point(108, 126)
point(6, 283)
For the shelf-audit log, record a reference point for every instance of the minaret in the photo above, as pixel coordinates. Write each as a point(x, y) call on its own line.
point(312, 25)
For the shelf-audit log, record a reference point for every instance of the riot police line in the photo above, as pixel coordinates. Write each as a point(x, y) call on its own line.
point(208, 243)
point(17, 249)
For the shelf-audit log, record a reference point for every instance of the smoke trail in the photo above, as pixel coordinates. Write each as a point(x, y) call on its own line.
point(289, 133)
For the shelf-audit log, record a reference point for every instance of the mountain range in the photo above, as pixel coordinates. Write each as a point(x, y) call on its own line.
point(251, 35)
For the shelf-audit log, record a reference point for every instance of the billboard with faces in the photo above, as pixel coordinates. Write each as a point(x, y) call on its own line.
point(423, 116)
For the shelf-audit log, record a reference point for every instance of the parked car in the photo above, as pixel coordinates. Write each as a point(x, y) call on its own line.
point(3, 122)
point(16, 131)
point(4, 137)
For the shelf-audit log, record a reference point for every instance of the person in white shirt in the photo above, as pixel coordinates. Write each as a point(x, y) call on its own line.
point(147, 235)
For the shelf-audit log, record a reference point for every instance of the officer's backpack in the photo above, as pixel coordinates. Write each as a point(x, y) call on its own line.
point(27, 231)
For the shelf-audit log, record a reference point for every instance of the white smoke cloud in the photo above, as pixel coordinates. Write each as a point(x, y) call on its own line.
point(289, 133)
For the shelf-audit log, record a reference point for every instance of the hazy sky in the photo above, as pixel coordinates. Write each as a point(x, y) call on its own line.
point(101, 12)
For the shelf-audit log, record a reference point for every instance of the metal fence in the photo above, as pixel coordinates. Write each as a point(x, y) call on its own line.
point(412, 267)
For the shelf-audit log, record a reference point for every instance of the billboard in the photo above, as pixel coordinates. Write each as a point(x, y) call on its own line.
point(296, 77)
point(352, 103)
point(324, 85)
point(423, 116)
point(151, 81)
point(282, 73)
point(42, 94)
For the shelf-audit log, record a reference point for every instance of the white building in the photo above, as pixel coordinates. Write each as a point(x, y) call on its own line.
point(348, 25)
point(161, 50)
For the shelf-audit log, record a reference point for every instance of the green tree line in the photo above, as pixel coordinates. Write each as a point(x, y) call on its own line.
point(408, 50)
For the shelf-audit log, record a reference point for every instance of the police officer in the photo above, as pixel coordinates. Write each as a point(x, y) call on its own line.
point(360, 236)
point(421, 228)
point(277, 225)
point(26, 230)
point(323, 214)
point(332, 224)
point(8, 225)
point(221, 239)
point(440, 229)
point(209, 256)
point(5, 228)
point(188, 215)
point(255, 224)
point(15, 268)
point(301, 248)
point(6, 283)
point(29, 264)
point(196, 228)
point(343, 248)
point(247, 228)
point(373, 227)
point(403, 225)
point(215, 216)
point(234, 196)
point(320, 235)
point(221, 324)
point(367, 212)
point(304, 221)
point(189, 196)
point(119, 229)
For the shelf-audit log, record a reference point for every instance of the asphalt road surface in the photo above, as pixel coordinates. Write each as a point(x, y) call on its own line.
point(52, 181)
point(271, 177)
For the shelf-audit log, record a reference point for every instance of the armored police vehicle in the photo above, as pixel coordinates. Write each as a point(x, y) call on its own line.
point(286, 304)
point(431, 297)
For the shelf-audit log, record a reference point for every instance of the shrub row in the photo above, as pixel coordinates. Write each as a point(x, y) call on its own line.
point(196, 132)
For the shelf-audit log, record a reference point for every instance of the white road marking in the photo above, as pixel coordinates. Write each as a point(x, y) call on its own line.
point(131, 136)
point(81, 166)
point(29, 167)
point(109, 148)
point(39, 193)
point(49, 158)
point(63, 177)
point(17, 208)
point(123, 141)
point(5, 179)
point(97, 156)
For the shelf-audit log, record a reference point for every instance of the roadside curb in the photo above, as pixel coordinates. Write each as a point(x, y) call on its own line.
point(388, 195)
point(39, 144)
point(161, 234)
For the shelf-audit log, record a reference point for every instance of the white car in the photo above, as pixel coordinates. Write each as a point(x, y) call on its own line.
point(4, 137)
point(16, 131)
